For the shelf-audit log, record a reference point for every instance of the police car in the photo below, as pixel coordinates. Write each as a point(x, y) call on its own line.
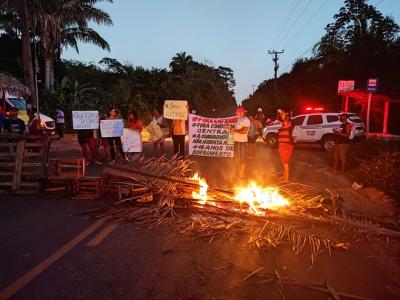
point(315, 128)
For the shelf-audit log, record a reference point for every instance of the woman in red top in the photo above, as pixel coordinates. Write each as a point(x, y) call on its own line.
point(134, 122)
point(286, 143)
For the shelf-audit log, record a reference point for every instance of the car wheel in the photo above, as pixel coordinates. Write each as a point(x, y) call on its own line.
point(328, 143)
point(272, 140)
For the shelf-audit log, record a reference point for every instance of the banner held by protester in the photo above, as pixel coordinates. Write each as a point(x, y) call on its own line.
point(88, 119)
point(208, 136)
point(176, 109)
point(111, 128)
point(131, 141)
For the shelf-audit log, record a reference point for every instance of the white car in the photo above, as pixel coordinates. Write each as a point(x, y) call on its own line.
point(315, 128)
point(20, 103)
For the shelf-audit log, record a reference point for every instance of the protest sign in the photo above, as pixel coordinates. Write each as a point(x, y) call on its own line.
point(131, 140)
point(88, 119)
point(154, 130)
point(111, 128)
point(208, 136)
point(176, 109)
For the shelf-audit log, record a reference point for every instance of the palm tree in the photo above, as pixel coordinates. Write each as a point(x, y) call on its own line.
point(21, 10)
point(180, 62)
point(62, 23)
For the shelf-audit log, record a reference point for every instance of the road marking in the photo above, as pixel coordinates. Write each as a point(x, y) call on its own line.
point(32, 274)
point(102, 235)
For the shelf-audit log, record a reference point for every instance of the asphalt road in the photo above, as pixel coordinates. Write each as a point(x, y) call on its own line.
point(128, 261)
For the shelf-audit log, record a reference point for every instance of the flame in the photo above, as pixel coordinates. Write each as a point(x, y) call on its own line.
point(202, 194)
point(257, 198)
point(260, 198)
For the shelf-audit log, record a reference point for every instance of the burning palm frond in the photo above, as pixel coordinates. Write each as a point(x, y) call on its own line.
point(159, 190)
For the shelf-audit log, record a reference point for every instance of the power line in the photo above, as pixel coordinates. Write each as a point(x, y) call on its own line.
point(286, 22)
point(297, 58)
point(377, 3)
point(295, 21)
point(306, 23)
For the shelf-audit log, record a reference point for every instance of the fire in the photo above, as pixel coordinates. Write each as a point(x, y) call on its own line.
point(202, 194)
point(260, 198)
point(257, 198)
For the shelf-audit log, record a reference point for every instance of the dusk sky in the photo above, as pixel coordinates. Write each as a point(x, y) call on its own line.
point(231, 33)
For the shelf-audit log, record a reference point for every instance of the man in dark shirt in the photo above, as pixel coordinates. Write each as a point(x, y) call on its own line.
point(13, 124)
point(343, 138)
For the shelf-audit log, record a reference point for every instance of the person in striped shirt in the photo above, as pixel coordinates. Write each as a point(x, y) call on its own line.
point(286, 143)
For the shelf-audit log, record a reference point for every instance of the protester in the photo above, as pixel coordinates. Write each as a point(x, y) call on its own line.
point(240, 132)
point(178, 137)
point(252, 136)
point(286, 143)
point(159, 119)
point(104, 141)
point(114, 141)
point(88, 144)
point(13, 124)
point(134, 122)
point(60, 123)
point(260, 117)
point(343, 138)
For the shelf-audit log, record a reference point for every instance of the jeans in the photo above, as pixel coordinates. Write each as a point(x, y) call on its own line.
point(60, 130)
point(115, 142)
point(179, 145)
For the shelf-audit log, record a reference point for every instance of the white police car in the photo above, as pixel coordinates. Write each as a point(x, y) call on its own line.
point(315, 128)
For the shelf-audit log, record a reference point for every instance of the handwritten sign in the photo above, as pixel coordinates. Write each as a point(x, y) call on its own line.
point(346, 85)
point(209, 136)
point(111, 128)
point(131, 141)
point(176, 109)
point(88, 119)
point(154, 131)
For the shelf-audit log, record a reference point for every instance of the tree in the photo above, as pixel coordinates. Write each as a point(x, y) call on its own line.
point(62, 23)
point(180, 63)
point(13, 11)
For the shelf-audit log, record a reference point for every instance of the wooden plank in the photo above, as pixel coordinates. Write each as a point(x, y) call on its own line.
point(7, 154)
point(7, 164)
point(7, 144)
point(31, 164)
point(27, 183)
point(6, 183)
point(18, 166)
point(32, 154)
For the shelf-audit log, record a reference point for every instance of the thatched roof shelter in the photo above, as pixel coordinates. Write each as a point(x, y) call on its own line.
point(13, 86)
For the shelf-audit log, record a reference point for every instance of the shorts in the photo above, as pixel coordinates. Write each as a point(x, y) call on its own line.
point(285, 152)
point(240, 151)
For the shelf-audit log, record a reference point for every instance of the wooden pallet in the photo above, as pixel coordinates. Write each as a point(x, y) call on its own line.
point(22, 162)
point(89, 188)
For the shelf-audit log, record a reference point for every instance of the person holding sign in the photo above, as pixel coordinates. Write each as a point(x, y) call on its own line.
point(88, 144)
point(178, 137)
point(240, 132)
point(114, 142)
point(159, 120)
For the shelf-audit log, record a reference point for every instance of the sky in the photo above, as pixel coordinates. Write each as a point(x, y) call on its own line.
point(230, 33)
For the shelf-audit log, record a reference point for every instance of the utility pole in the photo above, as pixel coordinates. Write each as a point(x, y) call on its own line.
point(275, 59)
point(253, 85)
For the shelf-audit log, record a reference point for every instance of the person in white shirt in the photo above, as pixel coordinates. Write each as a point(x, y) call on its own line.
point(240, 132)
point(60, 122)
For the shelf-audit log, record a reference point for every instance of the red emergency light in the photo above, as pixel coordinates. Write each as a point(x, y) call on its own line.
point(310, 108)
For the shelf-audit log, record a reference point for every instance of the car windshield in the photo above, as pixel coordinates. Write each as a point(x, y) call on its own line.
point(355, 119)
point(19, 103)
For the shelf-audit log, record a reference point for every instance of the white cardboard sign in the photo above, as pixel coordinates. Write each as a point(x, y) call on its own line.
point(88, 119)
point(111, 128)
point(131, 140)
point(346, 85)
